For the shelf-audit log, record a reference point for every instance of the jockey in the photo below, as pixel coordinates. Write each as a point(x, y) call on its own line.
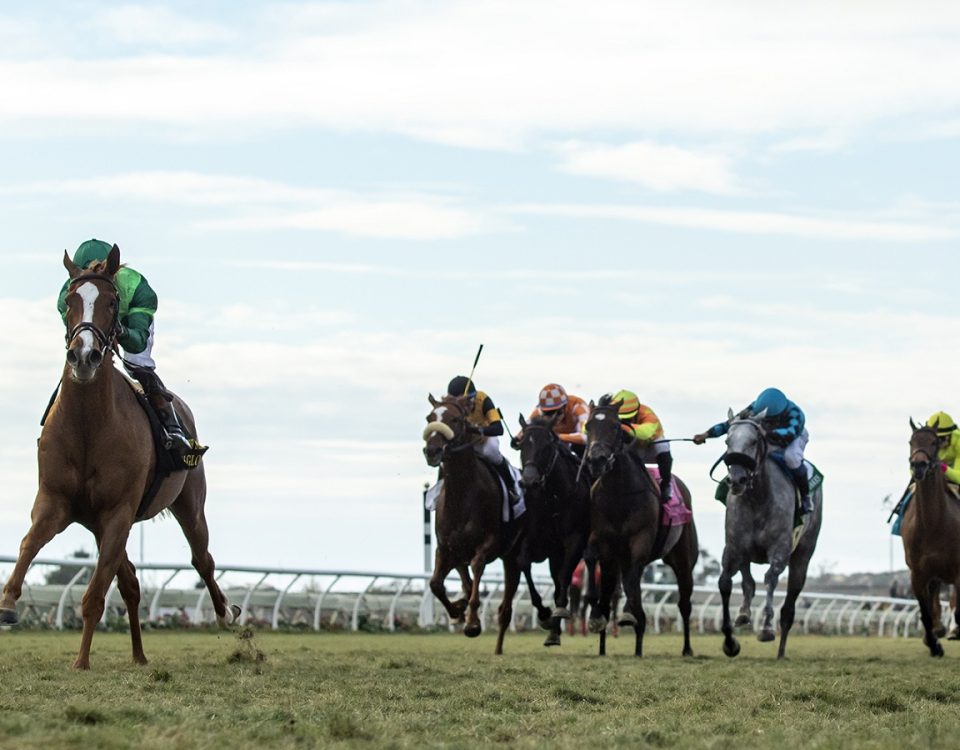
point(574, 414)
point(485, 420)
point(785, 425)
point(640, 422)
point(949, 453)
point(138, 305)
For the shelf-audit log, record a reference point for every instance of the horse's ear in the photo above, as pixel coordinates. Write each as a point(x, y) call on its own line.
point(523, 422)
point(591, 406)
point(760, 417)
point(913, 426)
point(433, 402)
point(113, 260)
point(72, 268)
point(730, 413)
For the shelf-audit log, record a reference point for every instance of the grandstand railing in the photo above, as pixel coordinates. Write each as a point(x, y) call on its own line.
point(389, 601)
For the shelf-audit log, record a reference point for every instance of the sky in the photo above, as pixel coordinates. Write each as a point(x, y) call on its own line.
point(338, 202)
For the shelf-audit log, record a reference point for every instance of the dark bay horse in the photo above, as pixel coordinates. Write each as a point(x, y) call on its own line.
point(759, 529)
point(557, 523)
point(626, 528)
point(96, 460)
point(468, 523)
point(930, 531)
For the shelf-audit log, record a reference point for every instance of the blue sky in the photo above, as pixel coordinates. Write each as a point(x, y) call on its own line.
point(338, 202)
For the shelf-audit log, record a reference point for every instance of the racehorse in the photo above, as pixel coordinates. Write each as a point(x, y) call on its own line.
point(760, 529)
point(557, 497)
point(626, 527)
point(930, 530)
point(96, 459)
point(468, 522)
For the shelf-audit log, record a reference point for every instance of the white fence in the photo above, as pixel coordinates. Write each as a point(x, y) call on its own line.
point(364, 600)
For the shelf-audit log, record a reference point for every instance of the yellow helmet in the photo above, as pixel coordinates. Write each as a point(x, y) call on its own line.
point(630, 405)
point(943, 423)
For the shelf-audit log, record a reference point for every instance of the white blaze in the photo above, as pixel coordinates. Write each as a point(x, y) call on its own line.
point(88, 293)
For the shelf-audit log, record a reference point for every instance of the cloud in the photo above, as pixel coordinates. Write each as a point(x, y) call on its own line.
point(748, 222)
point(155, 26)
point(660, 168)
point(252, 203)
point(428, 70)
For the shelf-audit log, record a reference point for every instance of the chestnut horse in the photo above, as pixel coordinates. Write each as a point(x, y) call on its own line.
point(469, 529)
point(930, 530)
point(96, 461)
point(625, 518)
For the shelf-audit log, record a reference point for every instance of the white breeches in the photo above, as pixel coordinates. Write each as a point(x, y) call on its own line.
point(650, 453)
point(793, 453)
point(489, 448)
point(142, 359)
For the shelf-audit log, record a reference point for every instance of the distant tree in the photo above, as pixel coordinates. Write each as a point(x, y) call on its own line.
point(708, 568)
point(63, 574)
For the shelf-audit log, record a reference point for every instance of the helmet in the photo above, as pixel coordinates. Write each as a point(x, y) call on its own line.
point(552, 397)
point(90, 251)
point(943, 423)
point(462, 386)
point(630, 405)
point(773, 400)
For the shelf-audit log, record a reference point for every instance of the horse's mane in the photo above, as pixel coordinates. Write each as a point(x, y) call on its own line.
point(543, 420)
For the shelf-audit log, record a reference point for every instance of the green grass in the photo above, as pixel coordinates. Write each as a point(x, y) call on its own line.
point(205, 690)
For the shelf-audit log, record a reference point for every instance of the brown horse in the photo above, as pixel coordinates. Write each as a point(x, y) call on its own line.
point(625, 518)
point(96, 460)
point(469, 529)
point(930, 530)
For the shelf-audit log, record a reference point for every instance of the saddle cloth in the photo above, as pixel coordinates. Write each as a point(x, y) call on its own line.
point(675, 513)
point(432, 496)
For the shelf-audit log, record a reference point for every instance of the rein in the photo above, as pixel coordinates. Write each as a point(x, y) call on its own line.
point(553, 459)
point(104, 338)
point(743, 460)
point(450, 446)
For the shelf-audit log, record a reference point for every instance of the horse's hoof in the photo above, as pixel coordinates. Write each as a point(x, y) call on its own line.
point(731, 647)
point(627, 620)
point(563, 613)
point(545, 623)
point(597, 624)
point(940, 632)
point(766, 635)
point(472, 631)
point(953, 635)
point(8, 617)
point(742, 620)
point(552, 640)
point(936, 650)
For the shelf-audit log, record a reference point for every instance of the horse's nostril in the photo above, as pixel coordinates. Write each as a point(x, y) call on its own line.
point(95, 358)
point(72, 358)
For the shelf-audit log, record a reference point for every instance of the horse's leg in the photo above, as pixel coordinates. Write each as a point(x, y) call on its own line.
point(749, 588)
point(477, 565)
point(466, 586)
point(188, 510)
point(574, 594)
point(600, 610)
point(730, 563)
point(129, 588)
point(924, 589)
point(543, 613)
point(441, 568)
point(554, 623)
point(511, 580)
point(684, 574)
point(954, 634)
point(936, 611)
point(50, 516)
point(796, 578)
point(778, 562)
point(112, 541)
point(634, 594)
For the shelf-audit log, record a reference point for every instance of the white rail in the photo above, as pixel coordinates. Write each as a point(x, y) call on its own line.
point(374, 600)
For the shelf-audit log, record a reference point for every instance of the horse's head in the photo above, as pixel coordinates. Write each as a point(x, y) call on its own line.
point(93, 314)
point(446, 427)
point(746, 452)
point(539, 448)
point(605, 437)
point(924, 450)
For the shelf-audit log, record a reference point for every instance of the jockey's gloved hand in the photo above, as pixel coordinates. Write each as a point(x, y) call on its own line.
point(475, 429)
point(515, 442)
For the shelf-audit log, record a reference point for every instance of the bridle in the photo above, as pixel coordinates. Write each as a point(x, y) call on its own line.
point(554, 443)
point(750, 464)
point(106, 338)
point(453, 442)
point(619, 446)
point(919, 467)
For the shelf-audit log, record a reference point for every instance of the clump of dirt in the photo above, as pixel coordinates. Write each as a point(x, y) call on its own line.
point(247, 651)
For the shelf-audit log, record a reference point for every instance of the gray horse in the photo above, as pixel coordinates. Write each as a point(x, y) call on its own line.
point(759, 529)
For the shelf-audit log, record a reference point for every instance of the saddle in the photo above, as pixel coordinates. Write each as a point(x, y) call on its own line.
point(510, 512)
point(953, 491)
point(815, 479)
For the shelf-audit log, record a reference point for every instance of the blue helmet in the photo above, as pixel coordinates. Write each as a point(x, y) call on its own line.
point(773, 400)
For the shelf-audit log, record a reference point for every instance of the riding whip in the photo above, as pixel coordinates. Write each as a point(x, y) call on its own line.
point(672, 440)
point(476, 359)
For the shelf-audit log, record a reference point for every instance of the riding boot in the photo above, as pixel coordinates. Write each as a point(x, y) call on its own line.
point(503, 469)
point(803, 486)
point(665, 464)
point(161, 400)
